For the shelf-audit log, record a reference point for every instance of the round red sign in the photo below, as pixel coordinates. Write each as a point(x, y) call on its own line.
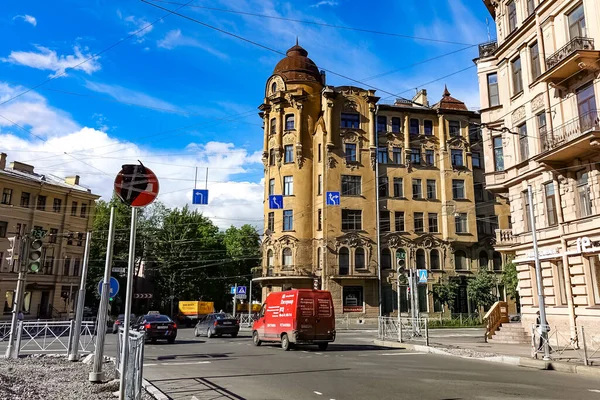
point(136, 185)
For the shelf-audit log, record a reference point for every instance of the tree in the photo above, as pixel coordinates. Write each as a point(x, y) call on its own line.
point(479, 289)
point(445, 292)
point(510, 279)
point(243, 247)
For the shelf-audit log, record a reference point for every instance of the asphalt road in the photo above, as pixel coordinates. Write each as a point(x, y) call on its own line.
point(228, 368)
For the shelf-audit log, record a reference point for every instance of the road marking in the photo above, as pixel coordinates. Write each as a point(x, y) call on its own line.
point(594, 390)
point(401, 354)
point(178, 363)
point(319, 393)
point(320, 354)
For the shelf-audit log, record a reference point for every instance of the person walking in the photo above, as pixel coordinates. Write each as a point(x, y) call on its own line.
point(20, 316)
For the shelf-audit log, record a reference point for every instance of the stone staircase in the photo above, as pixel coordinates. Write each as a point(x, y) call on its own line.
point(511, 333)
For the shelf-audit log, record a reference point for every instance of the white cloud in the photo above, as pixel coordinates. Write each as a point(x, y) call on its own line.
point(325, 3)
point(46, 59)
point(125, 95)
point(137, 23)
point(27, 18)
point(174, 39)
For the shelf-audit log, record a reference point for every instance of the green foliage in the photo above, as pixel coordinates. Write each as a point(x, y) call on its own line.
point(455, 322)
point(510, 279)
point(479, 289)
point(445, 292)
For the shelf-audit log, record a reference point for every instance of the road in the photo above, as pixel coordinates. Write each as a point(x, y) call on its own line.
point(228, 368)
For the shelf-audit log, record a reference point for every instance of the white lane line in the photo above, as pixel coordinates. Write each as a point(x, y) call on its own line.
point(178, 363)
point(401, 354)
point(594, 390)
point(149, 365)
point(319, 393)
point(319, 354)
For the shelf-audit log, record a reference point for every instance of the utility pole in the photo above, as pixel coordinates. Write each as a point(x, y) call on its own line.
point(538, 274)
point(234, 299)
point(74, 356)
point(250, 304)
point(11, 352)
point(377, 212)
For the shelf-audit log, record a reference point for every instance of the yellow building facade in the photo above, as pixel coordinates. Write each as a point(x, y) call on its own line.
point(424, 166)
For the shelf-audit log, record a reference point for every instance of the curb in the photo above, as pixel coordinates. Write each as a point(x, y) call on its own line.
point(508, 360)
point(154, 391)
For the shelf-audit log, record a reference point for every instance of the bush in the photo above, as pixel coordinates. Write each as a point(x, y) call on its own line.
point(456, 322)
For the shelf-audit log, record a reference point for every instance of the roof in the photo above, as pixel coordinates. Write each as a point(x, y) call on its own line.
point(450, 103)
point(296, 66)
point(44, 179)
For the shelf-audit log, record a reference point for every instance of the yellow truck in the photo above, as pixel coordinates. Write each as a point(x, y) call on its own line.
point(190, 311)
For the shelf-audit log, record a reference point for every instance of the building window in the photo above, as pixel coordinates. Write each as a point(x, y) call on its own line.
point(415, 156)
point(319, 264)
point(359, 258)
point(399, 221)
point(512, 16)
point(66, 266)
point(53, 235)
point(48, 265)
point(288, 153)
point(417, 189)
point(460, 260)
point(25, 199)
point(396, 124)
point(418, 220)
point(577, 26)
point(595, 278)
point(350, 120)
point(382, 155)
point(458, 189)
point(432, 219)
point(478, 193)
point(76, 265)
point(583, 195)
point(457, 157)
point(454, 128)
point(273, 127)
point(79, 239)
point(381, 123)
point(319, 184)
point(397, 155)
point(493, 224)
point(319, 219)
point(41, 203)
point(434, 259)
point(541, 125)
point(271, 221)
point(428, 127)
point(56, 206)
point(288, 220)
point(517, 76)
point(7, 196)
point(498, 154)
point(530, 7)
point(271, 187)
point(497, 261)
point(421, 263)
point(350, 152)
point(352, 299)
point(526, 211)
point(431, 189)
point(476, 159)
point(270, 259)
point(3, 229)
point(413, 126)
point(74, 208)
point(384, 221)
point(351, 185)
point(319, 152)
point(550, 204)
point(289, 122)
point(344, 255)
point(272, 157)
point(398, 188)
point(493, 94)
point(429, 158)
point(523, 142)
point(288, 185)
point(483, 260)
point(351, 220)
point(586, 106)
point(386, 259)
point(287, 258)
point(83, 210)
point(383, 186)
point(460, 223)
point(536, 68)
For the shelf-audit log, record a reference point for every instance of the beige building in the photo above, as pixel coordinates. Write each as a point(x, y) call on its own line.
point(65, 210)
point(538, 87)
point(433, 206)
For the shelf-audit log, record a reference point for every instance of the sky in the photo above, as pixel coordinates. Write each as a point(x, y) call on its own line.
point(182, 97)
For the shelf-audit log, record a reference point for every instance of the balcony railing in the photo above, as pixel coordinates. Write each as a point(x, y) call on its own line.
point(570, 130)
point(578, 43)
point(504, 237)
point(487, 49)
point(287, 271)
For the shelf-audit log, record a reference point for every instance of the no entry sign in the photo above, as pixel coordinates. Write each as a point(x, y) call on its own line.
point(136, 185)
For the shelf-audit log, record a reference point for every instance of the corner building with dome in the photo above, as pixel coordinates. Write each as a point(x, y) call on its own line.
point(434, 210)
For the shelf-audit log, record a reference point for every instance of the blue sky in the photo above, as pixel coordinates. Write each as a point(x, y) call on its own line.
point(180, 95)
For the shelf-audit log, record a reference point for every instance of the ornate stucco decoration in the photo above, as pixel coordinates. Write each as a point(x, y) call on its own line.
point(350, 106)
point(299, 156)
point(518, 114)
point(537, 102)
point(354, 240)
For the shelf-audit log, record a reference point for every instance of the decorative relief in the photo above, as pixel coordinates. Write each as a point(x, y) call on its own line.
point(272, 142)
point(265, 160)
point(518, 114)
point(278, 156)
point(299, 156)
point(354, 240)
point(537, 102)
point(289, 137)
point(349, 106)
point(331, 162)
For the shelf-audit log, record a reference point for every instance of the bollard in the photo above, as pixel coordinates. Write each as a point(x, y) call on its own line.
point(585, 359)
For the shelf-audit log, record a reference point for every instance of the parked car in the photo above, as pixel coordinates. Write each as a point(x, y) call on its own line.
point(119, 322)
point(217, 324)
point(156, 326)
point(300, 316)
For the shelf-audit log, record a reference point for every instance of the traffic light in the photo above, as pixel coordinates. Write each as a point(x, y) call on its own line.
point(401, 259)
point(13, 251)
point(35, 255)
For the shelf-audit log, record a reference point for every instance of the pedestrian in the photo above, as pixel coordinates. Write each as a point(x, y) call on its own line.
point(542, 330)
point(20, 316)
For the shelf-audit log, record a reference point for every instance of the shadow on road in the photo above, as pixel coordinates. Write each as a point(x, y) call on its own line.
point(185, 387)
point(308, 371)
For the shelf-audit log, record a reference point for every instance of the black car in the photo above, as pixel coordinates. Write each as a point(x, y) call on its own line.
point(156, 326)
point(217, 324)
point(119, 322)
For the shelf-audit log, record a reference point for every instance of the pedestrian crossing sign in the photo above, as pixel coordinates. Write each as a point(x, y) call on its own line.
point(422, 275)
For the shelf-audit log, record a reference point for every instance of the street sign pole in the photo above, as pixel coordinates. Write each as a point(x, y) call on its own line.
point(97, 375)
point(128, 300)
point(234, 299)
point(11, 352)
point(74, 356)
point(250, 303)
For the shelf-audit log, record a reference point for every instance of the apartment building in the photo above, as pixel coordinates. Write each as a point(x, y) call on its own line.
point(63, 208)
point(538, 85)
point(321, 142)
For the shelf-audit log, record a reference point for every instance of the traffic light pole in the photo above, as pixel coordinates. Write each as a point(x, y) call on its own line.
point(74, 356)
point(11, 352)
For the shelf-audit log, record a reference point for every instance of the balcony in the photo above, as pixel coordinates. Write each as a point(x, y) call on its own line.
point(574, 139)
point(504, 237)
point(288, 272)
point(576, 55)
point(487, 49)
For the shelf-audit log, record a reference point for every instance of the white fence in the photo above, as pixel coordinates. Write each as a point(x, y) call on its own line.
point(53, 337)
point(135, 363)
point(586, 348)
point(403, 329)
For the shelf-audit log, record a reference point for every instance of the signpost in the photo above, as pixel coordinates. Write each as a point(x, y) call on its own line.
point(200, 196)
point(113, 287)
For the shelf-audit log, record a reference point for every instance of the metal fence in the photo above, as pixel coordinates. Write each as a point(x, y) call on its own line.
point(348, 323)
point(247, 320)
point(135, 363)
point(585, 348)
point(403, 329)
point(53, 337)
point(4, 331)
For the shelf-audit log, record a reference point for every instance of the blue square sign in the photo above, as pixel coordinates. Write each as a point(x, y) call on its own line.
point(333, 198)
point(200, 196)
point(276, 202)
point(422, 275)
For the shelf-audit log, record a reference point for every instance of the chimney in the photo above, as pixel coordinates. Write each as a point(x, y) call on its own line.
point(323, 77)
point(2, 161)
point(421, 98)
point(72, 180)
point(19, 166)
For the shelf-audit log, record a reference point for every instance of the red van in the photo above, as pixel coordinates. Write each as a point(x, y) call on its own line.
point(299, 316)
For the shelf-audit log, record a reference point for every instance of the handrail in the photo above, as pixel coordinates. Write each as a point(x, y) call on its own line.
point(575, 44)
point(495, 316)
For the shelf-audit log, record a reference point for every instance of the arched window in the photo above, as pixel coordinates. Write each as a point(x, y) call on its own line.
point(434, 257)
point(483, 260)
point(287, 257)
point(386, 259)
point(359, 258)
point(460, 260)
point(497, 261)
point(421, 264)
point(273, 87)
point(289, 122)
point(318, 258)
point(270, 258)
point(273, 126)
point(344, 255)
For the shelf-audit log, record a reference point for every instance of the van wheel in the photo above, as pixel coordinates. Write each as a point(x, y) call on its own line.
point(209, 333)
point(255, 339)
point(285, 342)
point(323, 346)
